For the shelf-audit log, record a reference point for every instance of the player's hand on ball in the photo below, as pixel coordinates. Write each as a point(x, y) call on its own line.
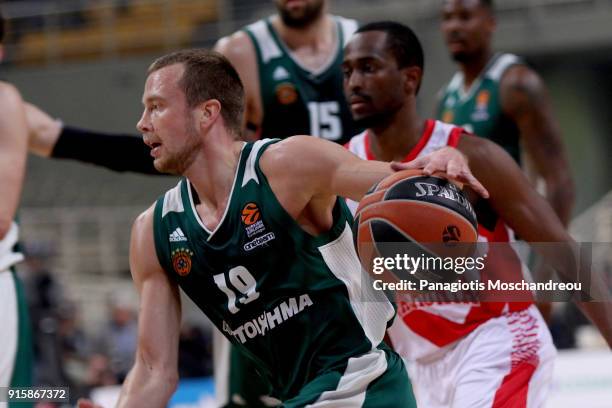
point(447, 160)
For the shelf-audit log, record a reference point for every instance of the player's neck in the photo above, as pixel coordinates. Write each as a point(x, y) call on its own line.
point(316, 36)
point(474, 66)
point(212, 174)
point(395, 140)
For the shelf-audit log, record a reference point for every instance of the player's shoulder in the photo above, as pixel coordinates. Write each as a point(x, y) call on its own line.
point(521, 76)
point(477, 148)
point(144, 221)
point(142, 246)
point(520, 88)
point(236, 46)
point(295, 153)
point(287, 149)
point(9, 92)
point(513, 72)
point(238, 38)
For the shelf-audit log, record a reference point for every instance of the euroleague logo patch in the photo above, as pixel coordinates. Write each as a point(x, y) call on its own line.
point(181, 261)
point(250, 214)
point(286, 93)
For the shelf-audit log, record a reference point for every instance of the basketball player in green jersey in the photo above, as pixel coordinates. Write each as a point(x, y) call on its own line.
point(290, 66)
point(15, 342)
point(498, 97)
point(262, 244)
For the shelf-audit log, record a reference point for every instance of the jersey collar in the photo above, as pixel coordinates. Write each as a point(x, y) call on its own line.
point(414, 152)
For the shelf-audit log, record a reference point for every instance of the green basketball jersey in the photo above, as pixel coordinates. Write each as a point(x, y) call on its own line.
point(296, 100)
point(292, 302)
point(478, 109)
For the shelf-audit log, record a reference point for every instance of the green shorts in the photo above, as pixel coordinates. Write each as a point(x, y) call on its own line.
point(377, 379)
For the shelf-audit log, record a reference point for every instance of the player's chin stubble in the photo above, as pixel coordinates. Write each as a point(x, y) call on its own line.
point(310, 13)
point(177, 163)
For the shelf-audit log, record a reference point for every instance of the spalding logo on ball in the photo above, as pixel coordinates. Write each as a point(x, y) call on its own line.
point(412, 214)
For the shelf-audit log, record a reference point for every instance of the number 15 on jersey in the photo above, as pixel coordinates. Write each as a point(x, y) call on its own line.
point(325, 120)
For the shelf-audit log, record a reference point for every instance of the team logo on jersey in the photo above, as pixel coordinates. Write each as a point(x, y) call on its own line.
point(259, 241)
point(250, 214)
point(177, 236)
point(181, 261)
point(448, 116)
point(450, 101)
point(280, 73)
point(286, 93)
point(251, 218)
point(482, 102)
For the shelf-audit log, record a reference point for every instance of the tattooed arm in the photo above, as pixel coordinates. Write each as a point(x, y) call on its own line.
point(524, 98)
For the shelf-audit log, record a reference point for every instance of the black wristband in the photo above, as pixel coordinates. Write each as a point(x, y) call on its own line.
point(114, 151)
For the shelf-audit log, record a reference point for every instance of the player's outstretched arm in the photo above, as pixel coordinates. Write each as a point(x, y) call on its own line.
point(533, 219)
point(154, 376)
point(524, 98)
point(48, 137)
point(321, 168)
point(13, 152)
point(43, 130)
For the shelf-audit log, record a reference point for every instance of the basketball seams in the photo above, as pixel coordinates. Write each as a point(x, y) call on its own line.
point(396, 182)
point(425, 203)
point(402, 232)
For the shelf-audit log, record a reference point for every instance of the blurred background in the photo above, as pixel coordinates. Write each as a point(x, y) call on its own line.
point(84, 62)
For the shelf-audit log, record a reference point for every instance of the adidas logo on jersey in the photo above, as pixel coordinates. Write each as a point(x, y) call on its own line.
point(280, 73)
point(177, 236)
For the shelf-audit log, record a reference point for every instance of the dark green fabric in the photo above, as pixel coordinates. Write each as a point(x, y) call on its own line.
point(298, 320)
point(299, 102)
point(480, 111)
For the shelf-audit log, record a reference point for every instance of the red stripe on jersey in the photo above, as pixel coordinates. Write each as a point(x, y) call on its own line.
point(414, 152)
point(368, 151)
point(514, 388)
point(429, 127)
point(455, 136)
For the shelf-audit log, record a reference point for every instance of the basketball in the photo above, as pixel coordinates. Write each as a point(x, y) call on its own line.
point(418, 216)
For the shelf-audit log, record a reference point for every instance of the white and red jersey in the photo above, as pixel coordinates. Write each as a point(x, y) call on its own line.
point(424, 327)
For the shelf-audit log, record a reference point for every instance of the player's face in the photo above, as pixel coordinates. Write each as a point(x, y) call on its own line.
point(299, 13)
point(467, 27)
point(373, 84)
point(167, 124)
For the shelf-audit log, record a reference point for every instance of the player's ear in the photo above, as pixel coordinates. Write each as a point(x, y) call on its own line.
point(490, 22)
point(208, 112)
point(412, 79)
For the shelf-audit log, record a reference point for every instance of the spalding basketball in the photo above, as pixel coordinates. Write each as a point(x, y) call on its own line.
point(412, 215)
